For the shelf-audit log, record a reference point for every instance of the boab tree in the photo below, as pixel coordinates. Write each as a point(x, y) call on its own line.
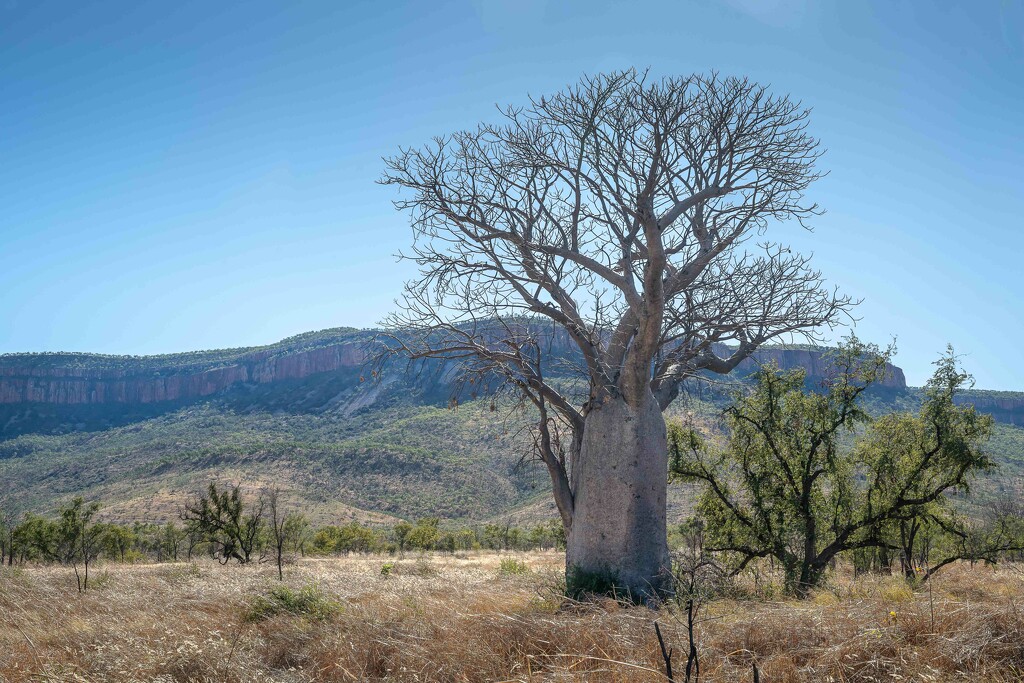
point(615, 218)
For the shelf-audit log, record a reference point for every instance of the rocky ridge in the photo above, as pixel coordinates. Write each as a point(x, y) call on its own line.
point(83, 379)
point(134, 385)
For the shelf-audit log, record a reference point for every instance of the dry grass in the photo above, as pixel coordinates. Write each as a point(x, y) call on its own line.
point(460, 619)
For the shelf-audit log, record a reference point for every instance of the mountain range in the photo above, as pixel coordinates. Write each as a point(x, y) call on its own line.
point(141, 433)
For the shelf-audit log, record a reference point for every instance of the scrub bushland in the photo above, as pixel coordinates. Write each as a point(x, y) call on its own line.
point(469, 619)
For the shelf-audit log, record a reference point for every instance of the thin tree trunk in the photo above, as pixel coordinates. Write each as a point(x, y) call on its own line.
point(618, 534)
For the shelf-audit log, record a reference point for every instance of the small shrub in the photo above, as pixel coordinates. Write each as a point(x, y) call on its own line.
point(134, 557)
point(308, 601)
point(421, 567)
point(512, 567)
point(101, 580)
point(826, 598)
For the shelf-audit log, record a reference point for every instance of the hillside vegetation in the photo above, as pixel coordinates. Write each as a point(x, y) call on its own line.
point(399, 460)
point(340, 448)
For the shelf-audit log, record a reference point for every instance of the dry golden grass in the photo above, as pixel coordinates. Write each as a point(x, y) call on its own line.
point(458, 619)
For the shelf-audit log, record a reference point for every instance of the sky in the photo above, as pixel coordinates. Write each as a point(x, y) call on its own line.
point(196, 175)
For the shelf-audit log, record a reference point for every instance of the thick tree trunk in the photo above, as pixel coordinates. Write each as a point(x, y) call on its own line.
point(618, 534)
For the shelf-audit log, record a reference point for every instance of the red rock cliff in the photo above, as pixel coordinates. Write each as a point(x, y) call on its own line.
point(51, 383)
point(814, 363)
point(79, 385)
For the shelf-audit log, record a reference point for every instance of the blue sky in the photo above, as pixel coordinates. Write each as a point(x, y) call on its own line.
point(193, 175)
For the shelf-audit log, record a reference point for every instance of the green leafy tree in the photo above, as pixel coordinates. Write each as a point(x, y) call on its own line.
point(547, 535)
point(465, 539)
point(350, 538)
point(172, 537)
point(36, 539)
point(425, 535)
point(326, 539)
point(298, 533)
point(224, 520)
point(77, 538)
point(498, 536)
point(783, 487)
point(401, 532)
point(914, 460)
point(8, 525)
point(118, 541)
point(446, 542)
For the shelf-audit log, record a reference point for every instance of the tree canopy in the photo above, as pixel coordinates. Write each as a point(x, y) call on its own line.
point(784, 485)
point(620, 217)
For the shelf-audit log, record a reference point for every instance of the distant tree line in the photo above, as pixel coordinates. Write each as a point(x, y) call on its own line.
point(227, 525)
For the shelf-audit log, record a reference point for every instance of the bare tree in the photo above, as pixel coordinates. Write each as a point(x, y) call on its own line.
point(279, 526)
point(8, 525)
point(615, 218)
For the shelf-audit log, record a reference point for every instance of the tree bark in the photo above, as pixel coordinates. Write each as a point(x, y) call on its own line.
point(618, 532)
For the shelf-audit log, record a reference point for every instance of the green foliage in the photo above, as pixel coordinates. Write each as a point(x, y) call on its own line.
point(234, 527)
point(397, 457)
point(72, 539)
point(401, 533)
point(118, 542)
point(298, 533)
point(510, 566)
point(498, 537)
point(785, 487)
point(39, 539)
point(425, 535)
point(465, 539)
point(103, 579)
point(309, 602)
point(170, 539)
point(350, 538)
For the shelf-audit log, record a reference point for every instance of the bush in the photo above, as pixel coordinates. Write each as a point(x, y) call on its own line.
point(308, 601)
point(102, 580)
point(512, 567)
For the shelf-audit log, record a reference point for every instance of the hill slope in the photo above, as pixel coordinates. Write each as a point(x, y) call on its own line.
point(295, 414)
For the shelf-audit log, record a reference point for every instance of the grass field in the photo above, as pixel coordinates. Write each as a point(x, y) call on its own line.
point(465, 619)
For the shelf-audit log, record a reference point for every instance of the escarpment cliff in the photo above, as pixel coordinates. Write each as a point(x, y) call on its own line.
point(814, 362)
point(140, 381)
point(1004, 406)
point(84, 379)
point(313, 372)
